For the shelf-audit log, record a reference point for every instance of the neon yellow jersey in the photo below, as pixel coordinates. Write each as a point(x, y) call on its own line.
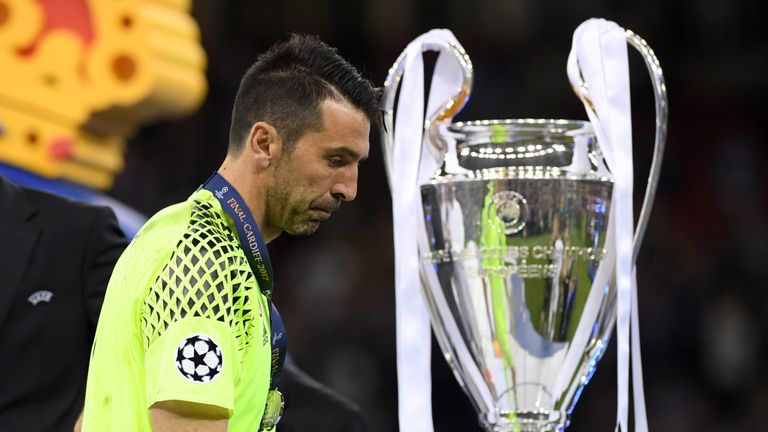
point(183, 319)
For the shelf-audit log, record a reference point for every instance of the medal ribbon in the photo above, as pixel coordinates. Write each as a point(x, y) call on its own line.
point(252, 243)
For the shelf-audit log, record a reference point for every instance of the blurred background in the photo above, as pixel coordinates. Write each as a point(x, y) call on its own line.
point(703, 270)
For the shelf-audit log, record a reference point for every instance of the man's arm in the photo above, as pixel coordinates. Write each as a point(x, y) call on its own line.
point(79, 422)
point(105, 244)
point(181, 416)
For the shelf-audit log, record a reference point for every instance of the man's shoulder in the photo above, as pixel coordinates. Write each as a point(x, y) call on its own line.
point(67, 216)
point(61, 206)
point(198, 217)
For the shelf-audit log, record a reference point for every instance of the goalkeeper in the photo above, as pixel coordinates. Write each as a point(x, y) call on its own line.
point(188, 339)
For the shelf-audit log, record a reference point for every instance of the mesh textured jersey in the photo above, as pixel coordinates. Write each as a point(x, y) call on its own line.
point(183, 319)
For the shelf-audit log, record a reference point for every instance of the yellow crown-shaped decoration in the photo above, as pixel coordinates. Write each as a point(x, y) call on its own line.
point(77, 77)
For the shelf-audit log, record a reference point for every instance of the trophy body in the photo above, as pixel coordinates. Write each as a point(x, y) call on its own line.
point(514, 248)
point(518, 244)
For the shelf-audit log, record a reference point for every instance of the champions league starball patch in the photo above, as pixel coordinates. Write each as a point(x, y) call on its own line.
point(199, 359)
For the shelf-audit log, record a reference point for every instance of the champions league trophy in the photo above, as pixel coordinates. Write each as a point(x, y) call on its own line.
point(523, 234)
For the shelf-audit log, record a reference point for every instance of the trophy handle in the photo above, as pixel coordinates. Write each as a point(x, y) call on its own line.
point(660, 97)
point(447, 111)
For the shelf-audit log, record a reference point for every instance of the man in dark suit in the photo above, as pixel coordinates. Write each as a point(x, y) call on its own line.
point(56, 257)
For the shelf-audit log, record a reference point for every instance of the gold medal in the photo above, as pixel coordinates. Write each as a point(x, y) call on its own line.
point(273, 410)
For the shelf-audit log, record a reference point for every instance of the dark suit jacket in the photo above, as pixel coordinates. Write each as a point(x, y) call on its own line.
point(310, 406)
point(56, 257)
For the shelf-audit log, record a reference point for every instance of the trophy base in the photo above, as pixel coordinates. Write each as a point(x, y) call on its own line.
point(526, 421)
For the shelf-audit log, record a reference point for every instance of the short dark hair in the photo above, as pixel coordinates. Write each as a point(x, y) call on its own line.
point(287, 84)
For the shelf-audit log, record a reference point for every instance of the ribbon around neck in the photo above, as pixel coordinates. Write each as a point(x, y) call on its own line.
point(411, 164)
point(255, 249)
point(598, 70)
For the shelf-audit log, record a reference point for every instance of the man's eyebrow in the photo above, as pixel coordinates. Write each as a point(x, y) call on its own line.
point(349, 153)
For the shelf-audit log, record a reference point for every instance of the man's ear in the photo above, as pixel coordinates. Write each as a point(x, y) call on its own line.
point(264, 143)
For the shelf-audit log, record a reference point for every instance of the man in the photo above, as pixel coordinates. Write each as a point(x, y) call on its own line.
point(184, 339)
point(56, 256)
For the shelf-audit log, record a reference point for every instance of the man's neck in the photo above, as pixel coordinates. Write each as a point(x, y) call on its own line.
point(247, 186)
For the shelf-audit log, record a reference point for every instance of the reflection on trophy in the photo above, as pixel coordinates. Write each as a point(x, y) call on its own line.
point(517, 261)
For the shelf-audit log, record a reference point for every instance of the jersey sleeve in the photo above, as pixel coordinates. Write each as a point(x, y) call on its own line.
point(192, 322)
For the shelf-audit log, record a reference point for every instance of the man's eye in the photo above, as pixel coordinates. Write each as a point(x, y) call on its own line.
point(336, 161)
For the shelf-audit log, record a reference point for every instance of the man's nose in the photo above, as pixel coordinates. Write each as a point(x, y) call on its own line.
point(345, 184)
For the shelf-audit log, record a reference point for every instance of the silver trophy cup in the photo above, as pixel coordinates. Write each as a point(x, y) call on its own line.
point(515, 264)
